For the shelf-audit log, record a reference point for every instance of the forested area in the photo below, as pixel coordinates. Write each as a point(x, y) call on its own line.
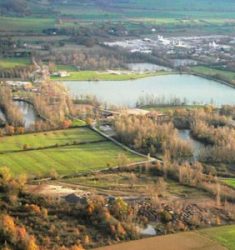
point(211, 128)
point(145, 135)
point(13, 114)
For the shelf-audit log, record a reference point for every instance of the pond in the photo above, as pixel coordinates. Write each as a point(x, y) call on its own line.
point(28, 112)
point(183, 62)
point(146, 67)
point(2, 116)
point(127, 93)
point(196, 145)
point(148, 231)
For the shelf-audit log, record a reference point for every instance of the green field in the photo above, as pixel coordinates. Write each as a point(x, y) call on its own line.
point(69, 68)
point(167, 109)
point(78, 123)
point(229, 181)
point(150, 8)
point(44, 139)
point(65, 158)
point(153, 12)
point(104, 76)
point(224, 235)
point(208, 239)
point(32, 24)
point(229, 75)
point(9, 63)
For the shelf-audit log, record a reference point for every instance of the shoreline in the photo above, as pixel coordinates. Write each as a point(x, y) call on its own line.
point(212, 79)
point(156, 74)
point(139, 76)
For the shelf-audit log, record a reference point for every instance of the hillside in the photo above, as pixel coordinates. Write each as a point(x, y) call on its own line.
point(126, 8)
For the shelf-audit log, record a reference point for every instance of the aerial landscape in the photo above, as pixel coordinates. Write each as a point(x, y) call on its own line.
point(117, 124)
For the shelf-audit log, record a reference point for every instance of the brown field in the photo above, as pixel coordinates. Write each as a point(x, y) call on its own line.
point(181, 241)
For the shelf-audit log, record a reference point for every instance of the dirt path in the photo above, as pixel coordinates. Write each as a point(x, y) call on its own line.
point(181, 241)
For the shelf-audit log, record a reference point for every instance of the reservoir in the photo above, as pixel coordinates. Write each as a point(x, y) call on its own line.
point(126, 93)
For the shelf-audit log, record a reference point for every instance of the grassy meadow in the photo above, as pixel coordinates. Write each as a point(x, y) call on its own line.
point(64, 157)
point(10, 63)
point(214, 72)
point(150, 8)
point(149, 12)
point(225, 235)
point(218, 238)
point(45, 139)
point(229, 181)
point(167, 109)
point(25, 24)
point(104, 76)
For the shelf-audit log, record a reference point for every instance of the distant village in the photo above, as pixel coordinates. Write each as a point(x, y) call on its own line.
point(183, 51)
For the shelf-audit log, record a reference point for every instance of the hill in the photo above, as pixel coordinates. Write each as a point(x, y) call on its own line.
point(121, 8)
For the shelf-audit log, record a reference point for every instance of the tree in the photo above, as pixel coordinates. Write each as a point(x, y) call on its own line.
point(166, 162)
point(31, 244)
point(20, 130)
point(8, 226)
point(17, 6)
point(218, 194)
point(78, 247)
point(10, 130)
point(122, 160)
point(67, 124)
point(5, 173)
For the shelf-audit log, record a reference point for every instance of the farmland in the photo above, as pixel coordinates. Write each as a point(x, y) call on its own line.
point(149, 8)
point(229, 181)
point(62, 155)
point(90, 159)
point(59, 137)
point(26, 24)
point(75, 14)
point(218, 238)
point(216, 73)
point(224, 235)
point(9, 63)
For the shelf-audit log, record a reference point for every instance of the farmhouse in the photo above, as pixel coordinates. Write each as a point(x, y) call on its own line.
point(19, 85)
point(61, 74)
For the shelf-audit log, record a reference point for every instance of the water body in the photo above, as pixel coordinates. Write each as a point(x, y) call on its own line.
point(148, 231)
point(183, 62)
point(196, 145)
point(2, 116)
point(127, 93)
point(146, 67)
point(28, 112)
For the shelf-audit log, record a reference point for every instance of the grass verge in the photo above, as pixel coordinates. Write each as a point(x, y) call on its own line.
point(104, 76)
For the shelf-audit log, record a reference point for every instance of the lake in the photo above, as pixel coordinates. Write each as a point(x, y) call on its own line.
point(127, 93)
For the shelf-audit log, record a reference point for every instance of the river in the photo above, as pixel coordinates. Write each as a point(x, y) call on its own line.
point(127, 93)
